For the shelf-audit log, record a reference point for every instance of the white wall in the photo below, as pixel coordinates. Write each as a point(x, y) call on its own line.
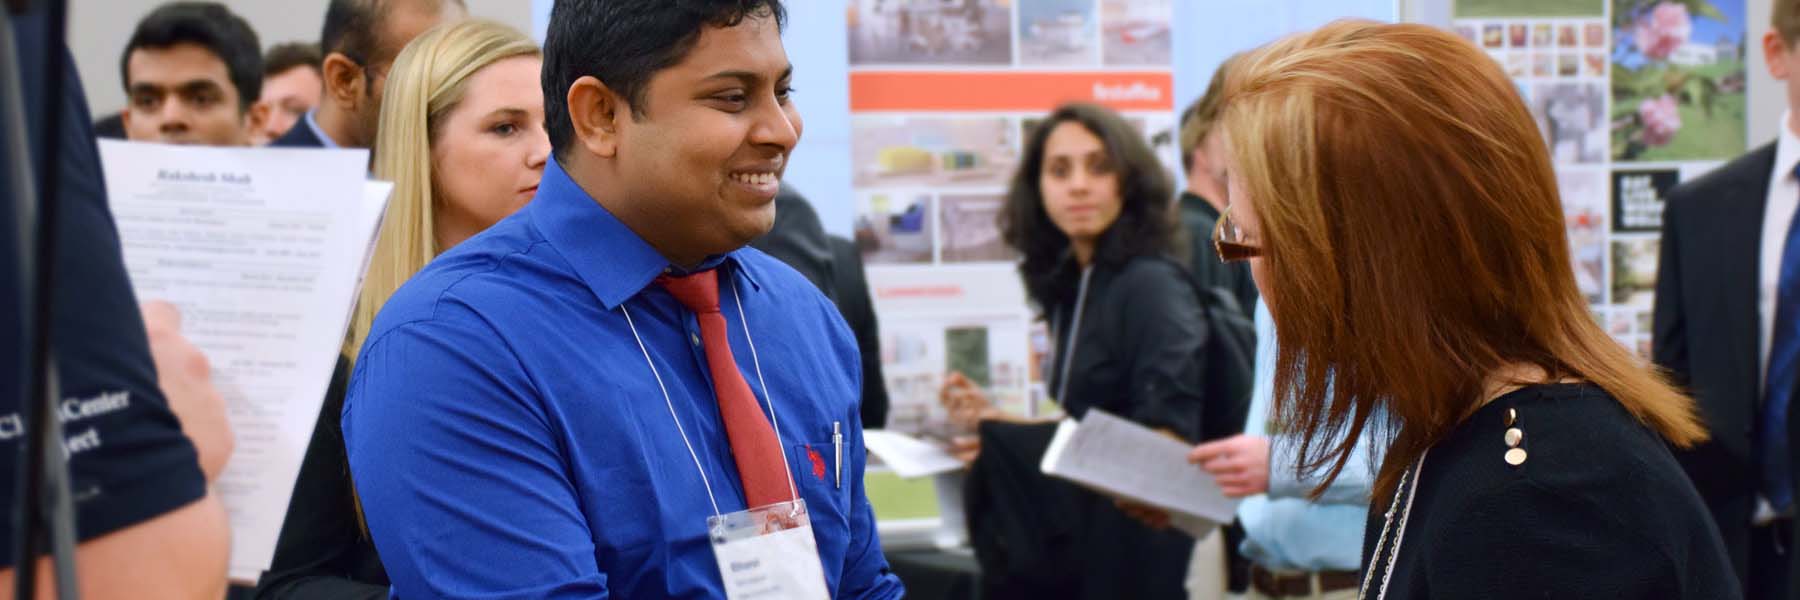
point(1767, 98)
point(98, 30)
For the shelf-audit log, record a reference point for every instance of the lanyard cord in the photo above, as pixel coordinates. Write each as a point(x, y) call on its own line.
point(671, 404)
point(1068, 358)
point(667, 400)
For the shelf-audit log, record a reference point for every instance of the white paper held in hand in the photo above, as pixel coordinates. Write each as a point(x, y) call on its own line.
point(262, 250)
point(908, 456)
point(1124, 459)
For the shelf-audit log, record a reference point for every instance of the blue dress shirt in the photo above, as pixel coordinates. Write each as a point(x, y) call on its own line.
point(508, 439)
point(1283, 531)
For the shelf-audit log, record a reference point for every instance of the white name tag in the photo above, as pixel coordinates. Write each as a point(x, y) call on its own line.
point(768, 553)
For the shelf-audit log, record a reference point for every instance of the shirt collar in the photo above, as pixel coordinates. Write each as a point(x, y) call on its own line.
point(608, 256)
point(1787, 148)
point(313, 124)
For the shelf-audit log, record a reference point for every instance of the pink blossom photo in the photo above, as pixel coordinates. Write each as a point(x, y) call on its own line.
point(1678, 80)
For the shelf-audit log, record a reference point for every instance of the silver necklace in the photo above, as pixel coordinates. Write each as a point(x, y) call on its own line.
point(1409, 483)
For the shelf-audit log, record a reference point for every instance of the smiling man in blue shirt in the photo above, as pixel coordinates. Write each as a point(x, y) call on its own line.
point(551, 410)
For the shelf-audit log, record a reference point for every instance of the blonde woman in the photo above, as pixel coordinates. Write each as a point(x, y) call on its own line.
point(462, 139)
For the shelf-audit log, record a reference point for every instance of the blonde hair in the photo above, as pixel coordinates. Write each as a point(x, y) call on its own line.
point(1201, 116)
point(427, 81)
point(1414, 243)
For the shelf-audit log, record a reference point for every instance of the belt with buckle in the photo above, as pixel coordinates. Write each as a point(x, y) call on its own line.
point(1278, 585)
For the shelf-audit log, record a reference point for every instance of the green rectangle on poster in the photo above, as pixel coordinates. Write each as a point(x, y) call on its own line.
point(1467, 9)
point(896, 499)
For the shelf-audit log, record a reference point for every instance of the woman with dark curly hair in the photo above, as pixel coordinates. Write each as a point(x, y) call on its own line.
point(1089, 211)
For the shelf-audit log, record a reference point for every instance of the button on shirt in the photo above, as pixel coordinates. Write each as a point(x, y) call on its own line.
point(508, 439)
point(1283, 531)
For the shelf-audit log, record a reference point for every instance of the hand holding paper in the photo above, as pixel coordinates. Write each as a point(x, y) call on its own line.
point(185, 377)
point(1240, 463)
point(1141, 466)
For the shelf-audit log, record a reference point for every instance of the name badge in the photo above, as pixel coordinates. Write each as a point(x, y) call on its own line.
point(768, 553)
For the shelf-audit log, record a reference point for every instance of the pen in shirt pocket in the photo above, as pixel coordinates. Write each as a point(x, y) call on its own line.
point(837, 454)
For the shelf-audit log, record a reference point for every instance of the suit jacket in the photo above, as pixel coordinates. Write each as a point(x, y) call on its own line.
point(1706, 331)
point(298, 136)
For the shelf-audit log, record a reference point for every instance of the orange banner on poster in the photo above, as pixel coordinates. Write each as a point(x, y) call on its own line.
point(1008, 90)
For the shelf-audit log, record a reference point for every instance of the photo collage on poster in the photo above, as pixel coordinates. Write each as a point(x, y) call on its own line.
point(930, 177)
point(1632, 97)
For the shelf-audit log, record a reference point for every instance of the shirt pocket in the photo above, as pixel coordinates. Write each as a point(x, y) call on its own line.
point(817, 474)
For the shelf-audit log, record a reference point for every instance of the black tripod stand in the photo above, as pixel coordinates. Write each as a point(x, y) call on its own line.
point(44, 518)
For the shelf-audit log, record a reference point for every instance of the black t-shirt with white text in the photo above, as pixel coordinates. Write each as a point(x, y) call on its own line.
point(129, 461)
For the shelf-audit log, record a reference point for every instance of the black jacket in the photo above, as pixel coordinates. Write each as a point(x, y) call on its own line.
point(1199, 217)
point(1706, 331)
point(1040, 538)
point(1137, 353)
point(322, 551)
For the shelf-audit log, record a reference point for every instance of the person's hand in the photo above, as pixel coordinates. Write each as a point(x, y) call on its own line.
point(185, 377)
point(1239, 463)
point(966, 402)
point(965, 448)
point(1154, 518)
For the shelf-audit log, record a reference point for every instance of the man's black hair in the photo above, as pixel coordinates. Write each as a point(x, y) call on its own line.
point(211, 26)
point(624, 43)
point(352, 28)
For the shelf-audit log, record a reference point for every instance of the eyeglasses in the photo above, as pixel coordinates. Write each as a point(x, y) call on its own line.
point(1228, 241)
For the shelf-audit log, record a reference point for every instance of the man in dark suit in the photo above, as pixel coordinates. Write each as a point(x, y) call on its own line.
point(1204, 199)
point(1727, 327)
point(834, 265)
point(361, 38)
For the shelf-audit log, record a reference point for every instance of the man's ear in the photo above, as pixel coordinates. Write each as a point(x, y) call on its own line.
point(596, 113)
point(257, 118)
point(1775, 52)
point(343, 79)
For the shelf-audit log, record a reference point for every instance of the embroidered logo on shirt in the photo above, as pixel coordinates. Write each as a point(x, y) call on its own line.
point(818, 462)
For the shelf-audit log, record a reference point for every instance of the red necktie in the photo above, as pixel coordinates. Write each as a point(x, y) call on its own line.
point(753, 442)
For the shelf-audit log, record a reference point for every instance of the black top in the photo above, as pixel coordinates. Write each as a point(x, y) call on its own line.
point(1706, 332)
point(1199, 217)
point(322, 552)
point(130, 461)
point(1598, 509)
point(1137, 353)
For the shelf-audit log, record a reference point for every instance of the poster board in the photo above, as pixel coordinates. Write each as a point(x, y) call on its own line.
point(1633, 97)
point(942, 98)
